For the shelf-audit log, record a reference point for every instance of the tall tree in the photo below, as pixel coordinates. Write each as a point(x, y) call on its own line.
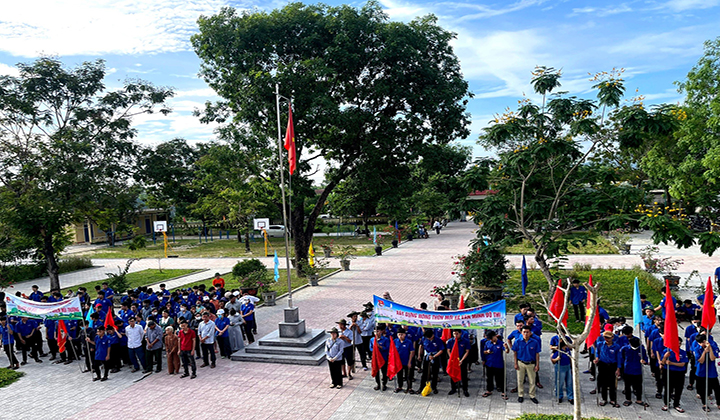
point(63, 138)
point(362, 87)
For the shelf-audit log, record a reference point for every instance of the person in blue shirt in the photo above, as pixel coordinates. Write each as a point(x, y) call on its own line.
point(430, 350)
point(381, 344)
point(463, 353)
point(561, 359)
point(644, 303)
point(527, 359)
point(25, 330)
point(102, 353)
point(51, 337)
point(677, 366)
point(406, 351)
point(107, 291)
point(125, 313)
point(494, 364)
point(105, 303)
point(36, 294)
point(705, 356)
point(661, 306)
point(6, 336)
point(521, 315)
point(691, 332)
point(688, 310)
point(701, 298)
point(222, 324)
point(334, 354)
point(114, 343)
point(657, 349)
point(633, 356)
point(248, 313)
point(608, 363)
point(578, 296)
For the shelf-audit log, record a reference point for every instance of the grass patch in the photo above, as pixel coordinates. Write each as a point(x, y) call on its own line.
point(616, 291)
point(602, 246)
point(25, 272)
point(138, 278)
point(280, 287)
point(8, 376)
point(191, 248)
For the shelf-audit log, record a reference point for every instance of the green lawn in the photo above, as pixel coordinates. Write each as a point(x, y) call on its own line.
point(280, 287)
point(8, 376)
point(602, 246)
point(138, 278)
point(616, 291)
point(226, 248)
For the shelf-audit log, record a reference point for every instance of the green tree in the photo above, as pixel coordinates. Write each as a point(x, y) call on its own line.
point(63, 138)
point(362, 87)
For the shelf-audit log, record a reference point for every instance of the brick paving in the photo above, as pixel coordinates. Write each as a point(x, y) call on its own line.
point(266, 391)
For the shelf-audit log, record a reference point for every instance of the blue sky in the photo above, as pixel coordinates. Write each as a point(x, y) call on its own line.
point(498, 43)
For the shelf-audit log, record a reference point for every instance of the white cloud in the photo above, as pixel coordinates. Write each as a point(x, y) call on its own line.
point(207, 93)
point(6, 70)
point(683, 5)
point(602, 12)
point(92, 27)
point(681, 42)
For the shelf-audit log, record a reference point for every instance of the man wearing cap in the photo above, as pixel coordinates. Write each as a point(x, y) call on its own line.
point(354, 333)
point(382, 344)
point(334, 352)
point(222, 324)
point(367, 326)
point(608, 363)
point(463, 353)
point(348, 352)
point(406, 350)
point(430, 350)
point(527, 359)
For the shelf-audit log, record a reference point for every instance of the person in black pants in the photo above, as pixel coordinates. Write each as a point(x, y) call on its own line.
point(607, 362)
point(677, 368)
point(463, 353)
point(494, 363)
point(633, 357)
point(153, 350)
point(334, 354)
point(7, 339)
point(432, 348)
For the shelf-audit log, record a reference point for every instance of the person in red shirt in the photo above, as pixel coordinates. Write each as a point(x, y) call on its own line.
point(218, 281)
point(187, 349)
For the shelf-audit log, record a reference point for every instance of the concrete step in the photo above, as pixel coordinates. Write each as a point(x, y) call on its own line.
point(311, 359)
point(308, 349)
point(300, 351)
point(305, 340)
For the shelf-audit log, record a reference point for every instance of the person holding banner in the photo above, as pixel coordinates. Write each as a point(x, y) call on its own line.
point(26, 330)
point(7, 341)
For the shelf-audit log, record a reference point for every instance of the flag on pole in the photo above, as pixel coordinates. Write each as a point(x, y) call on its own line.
point(637, 306)
point(311, 256)
point(290, 142)
point(523, 276)
point(453, 366)
point(109, 321)
point(90, 312)
point(557, 303)
point(374, 236)
point(595, 326)
point(461, 305)
point(446, 334)
point(377, 360)
point(708, 310)
point(394, 363)
point(670, 338)
point(61, 336)
point(277, 267)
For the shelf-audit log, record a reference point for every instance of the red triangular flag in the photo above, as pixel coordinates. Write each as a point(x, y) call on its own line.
point(461, 305)
point(61, 336)
point(394, 363)
point(670, 338)
point(557, 303)
point(446, 335)
point(708, 309)
point(453, 366)
point(377, 360)
point(109, 321)
point(595, 326)
point(290, 142)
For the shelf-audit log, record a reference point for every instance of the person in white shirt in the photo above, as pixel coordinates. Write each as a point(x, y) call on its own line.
point(135, 333)
point(437, 226)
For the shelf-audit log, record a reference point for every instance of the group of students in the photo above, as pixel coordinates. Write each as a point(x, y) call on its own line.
point(182, 326)
point(617, 354)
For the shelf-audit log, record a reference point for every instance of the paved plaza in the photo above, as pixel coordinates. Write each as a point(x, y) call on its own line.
point(242, 390)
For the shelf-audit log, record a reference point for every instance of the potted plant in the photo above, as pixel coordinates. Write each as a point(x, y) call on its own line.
point(313, 271)
point(392, 233)
point(258, 281)
point(346, 254)
point(483, 271)
point(620, 238)
point(451, 291)
point(655, 264)
point(327, 248)
point(378, 244)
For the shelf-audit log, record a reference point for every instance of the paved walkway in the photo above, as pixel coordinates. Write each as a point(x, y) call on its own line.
point(265, 391)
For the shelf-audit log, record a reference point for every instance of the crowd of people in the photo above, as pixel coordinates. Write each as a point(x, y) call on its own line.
point(136, 330)
point(617, 356)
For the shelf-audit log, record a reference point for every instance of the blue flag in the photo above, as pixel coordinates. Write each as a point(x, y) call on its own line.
point(396, 225)
point(637, 307)
point(90, 312)
point(277, 265)
point(374, 236)
point(523, 276)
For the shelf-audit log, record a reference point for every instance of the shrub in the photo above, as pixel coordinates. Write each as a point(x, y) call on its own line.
point(119, 281)
point(582, 267)
point(8, 376)
point(138, 242)
point(243, 268)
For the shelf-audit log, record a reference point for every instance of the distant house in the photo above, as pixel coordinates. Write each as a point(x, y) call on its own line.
point(480, 195)
point(88, 233)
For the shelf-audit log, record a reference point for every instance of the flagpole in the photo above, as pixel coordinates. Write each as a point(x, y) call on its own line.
point(282, 189)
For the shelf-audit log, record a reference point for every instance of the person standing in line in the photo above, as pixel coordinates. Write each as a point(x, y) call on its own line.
point(51, 337)
point(153, 338)
point(236, 333)
point(113, 340)
point(248, 314)
point(222, 324)
point(334, 352)
point(527, 359)
point(172, 349)
point(8, 340)
point(187, 338)
point(367, 326)
point(677, 365)
point(206, 332)
point(561, 358)
point(135, 334)
point(348, 354)
point(463, 353)
point(382, 344)
point(578, 296)
point(102, 353)
point(430, 351)
point(437, 226)
point(632, 357)
point(494, 364)
point(608, 362)
point(705, 355)
point(406, 351)
point(25, 330)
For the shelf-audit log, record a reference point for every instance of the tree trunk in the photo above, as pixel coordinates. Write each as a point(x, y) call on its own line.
point(247, 235)
point(577, 412)
point(542, 264)
point(366, 225)
point(301, 236)
point(52, 265)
